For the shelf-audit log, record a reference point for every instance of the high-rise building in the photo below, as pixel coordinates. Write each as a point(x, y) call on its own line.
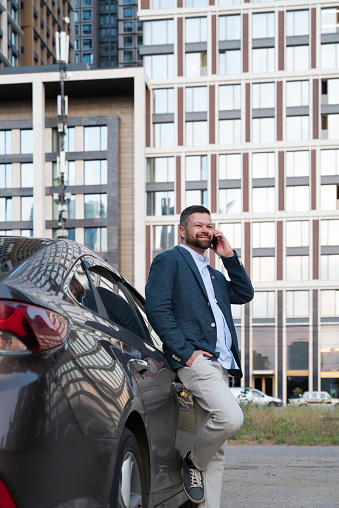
point(10, 34)
point(242, 115)
point(107, 33)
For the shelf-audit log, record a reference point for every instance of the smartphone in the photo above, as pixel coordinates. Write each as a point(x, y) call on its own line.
point(214, 242)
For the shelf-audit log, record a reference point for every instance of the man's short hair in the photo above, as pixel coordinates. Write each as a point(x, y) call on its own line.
point(192, 209)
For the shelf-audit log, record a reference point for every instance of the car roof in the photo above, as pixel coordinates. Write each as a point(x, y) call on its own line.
point(15, 250)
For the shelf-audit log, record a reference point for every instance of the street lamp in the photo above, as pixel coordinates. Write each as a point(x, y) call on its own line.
point(62, 198)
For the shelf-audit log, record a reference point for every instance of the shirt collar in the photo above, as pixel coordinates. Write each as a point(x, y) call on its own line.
point(195, 255)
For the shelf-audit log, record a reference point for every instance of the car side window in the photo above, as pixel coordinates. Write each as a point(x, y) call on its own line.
point(114, 302)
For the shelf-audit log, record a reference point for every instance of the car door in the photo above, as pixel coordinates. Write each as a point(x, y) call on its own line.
point(169, 417)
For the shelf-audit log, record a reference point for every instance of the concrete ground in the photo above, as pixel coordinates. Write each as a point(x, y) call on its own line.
point(262, 476)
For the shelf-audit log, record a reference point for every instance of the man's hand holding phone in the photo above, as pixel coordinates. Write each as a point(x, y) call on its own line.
point(220, 245)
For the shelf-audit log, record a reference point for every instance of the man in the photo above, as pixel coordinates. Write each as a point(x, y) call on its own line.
point(189, 305)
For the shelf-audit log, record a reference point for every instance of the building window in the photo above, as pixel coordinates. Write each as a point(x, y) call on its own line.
point(229, 132)
point(26, 141)
point(297, 23)
point(329, 267)
point(263, 95)
point(128, 42)
point(297, 128)
point(263, 269)
point(87, 58)
point(195, 3)
point(196, 133)
point(297, 198)
point(196, 197)
point(70, 232)
point(329, 126)
point(329, 232)
point(5, 142)
point(329, 56)
point(128, 56)
point(163, 4)
point(263, 348)
point(230, 28)
point(163, 100)
point(297, 268)
point(263, 199)
point(329, 357)
point(5, 176)
point(330, 91)
point(297, 163)
point(87, 14)
point(263, 165)
point(229, 97)
point(196, 99)
point(70, 177)
point(230, 166)
point(232, 231)
point(96, 239)
point(230, 201)
point(297, 93)
point(297, 58)
point(26, 232)
point(95, 138)
point(196, 168)
point(196, 64)
point(27, 174)
point(159, 32)
point(128, 12)
point(263, 235)
point(87, 43)
point(263, 130)
point(297, 233)
point(128, 26)
point(160, 203)
point(329, 20)
point(160, 169)
point(163, 135)
point(329, 303)
point(27, 208)
point(163, 239)
point(230, 62)
point(263, 305)
point(95, 206)
point(196, 29)
point(6, 209)
point(159, 66)
point(329, 197)
point(95, 172)
point(263, 60)
point(297, 348)
point(263, 25)
point(297, 304)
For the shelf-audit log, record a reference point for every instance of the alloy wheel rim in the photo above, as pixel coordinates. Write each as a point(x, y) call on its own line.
point(130, 492)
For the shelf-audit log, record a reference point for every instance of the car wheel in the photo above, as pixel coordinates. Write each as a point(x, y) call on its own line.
point(188, 504)
point(129, 489)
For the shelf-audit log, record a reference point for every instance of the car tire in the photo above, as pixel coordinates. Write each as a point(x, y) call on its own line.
point(188, 504)
point(272, 404)
point(129, 488)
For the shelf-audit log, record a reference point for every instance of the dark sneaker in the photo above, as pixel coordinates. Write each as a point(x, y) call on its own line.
point(193, 485)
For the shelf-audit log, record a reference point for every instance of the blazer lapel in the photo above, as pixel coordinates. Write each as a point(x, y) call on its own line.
point(193, 266)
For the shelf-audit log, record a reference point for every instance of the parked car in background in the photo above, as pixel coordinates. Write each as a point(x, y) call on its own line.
point(91, 414)
point(316, 398)
point(254, 396)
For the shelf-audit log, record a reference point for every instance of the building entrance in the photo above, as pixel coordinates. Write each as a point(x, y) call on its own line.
point(264, 383)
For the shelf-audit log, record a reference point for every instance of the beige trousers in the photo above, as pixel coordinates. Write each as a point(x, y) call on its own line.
point(217, 418)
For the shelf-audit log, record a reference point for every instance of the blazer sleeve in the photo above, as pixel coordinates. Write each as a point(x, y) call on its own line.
point(240, 289)
point(159, 306)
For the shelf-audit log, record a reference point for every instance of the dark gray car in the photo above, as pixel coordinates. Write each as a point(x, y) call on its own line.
point(91, 415)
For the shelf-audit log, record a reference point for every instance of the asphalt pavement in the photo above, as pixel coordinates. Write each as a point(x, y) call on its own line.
point(263, 476)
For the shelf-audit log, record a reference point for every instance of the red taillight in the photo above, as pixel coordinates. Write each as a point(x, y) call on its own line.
point(29, 329)
point(6, 500)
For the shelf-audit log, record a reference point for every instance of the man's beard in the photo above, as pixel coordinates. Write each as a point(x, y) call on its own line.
point(200, 242)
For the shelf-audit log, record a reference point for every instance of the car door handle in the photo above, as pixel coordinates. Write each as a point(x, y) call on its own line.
point(179, 387)
point(137, 365)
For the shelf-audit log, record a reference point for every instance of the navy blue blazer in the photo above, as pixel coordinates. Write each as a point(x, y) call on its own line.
point(178, 308)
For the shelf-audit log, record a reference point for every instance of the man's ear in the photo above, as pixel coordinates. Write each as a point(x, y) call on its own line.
point(182, 232)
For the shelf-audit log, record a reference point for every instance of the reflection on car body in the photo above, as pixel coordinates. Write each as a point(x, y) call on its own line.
point(254, 396)
point(98, 395)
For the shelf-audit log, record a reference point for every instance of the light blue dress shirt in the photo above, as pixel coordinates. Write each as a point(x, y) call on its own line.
point(224, 338)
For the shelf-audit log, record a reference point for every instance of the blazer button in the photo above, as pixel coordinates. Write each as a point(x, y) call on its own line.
point(212, 325)
point(208, 303)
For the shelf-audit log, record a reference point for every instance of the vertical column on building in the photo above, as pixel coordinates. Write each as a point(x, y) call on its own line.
point(148, 249)
point(212, 114)
point(281, 40)
point(245, 42)
point(280, 349)
point(313, 38)
point(248, 112)
point(279, 250)
point(148, 118)
point(213, 183)
point(180, 116)
point(281, 178)
point(315, 235)
point(39, 158)
point(245, 182)
point(178, 183)
point(214, 44)
point(313, 181)
point(279, 111)
point(315, 340)
point(180, 44)
point(247, 263)
point(315, 108)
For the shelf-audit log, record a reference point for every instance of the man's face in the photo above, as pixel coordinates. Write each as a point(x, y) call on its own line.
point(198, 232)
